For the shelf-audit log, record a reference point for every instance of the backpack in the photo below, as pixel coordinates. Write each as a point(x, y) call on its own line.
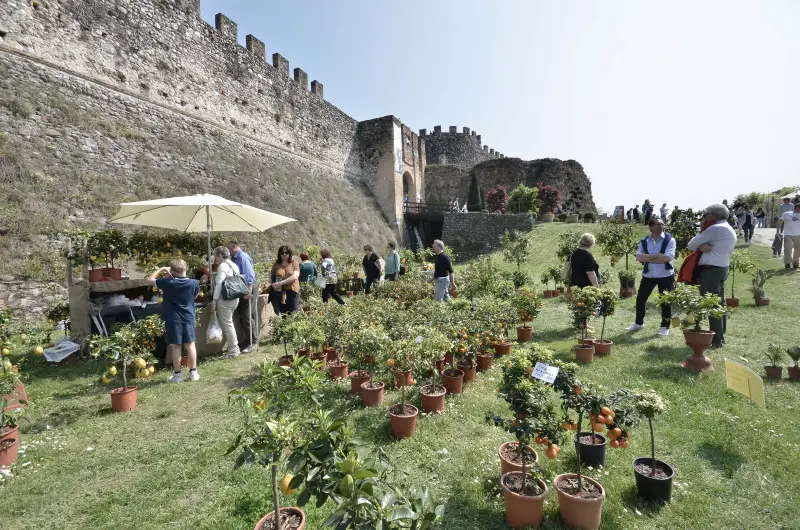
point(234, 286)
point(566, 274)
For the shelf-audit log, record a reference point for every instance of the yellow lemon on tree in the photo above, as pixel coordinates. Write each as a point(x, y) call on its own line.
point(5, 351)
point(105, 380)
point(690, 319)
point(140, 363)
point(113, 370)
point(676, 322)
point(151, 369)
point(285, 484)
point(23, 337)
point(38, 350)
point(260, 404)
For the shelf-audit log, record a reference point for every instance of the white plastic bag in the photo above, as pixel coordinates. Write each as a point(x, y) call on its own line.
point(214, 333)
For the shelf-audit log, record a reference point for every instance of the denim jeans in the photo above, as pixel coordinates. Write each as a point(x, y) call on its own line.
point(442, 289)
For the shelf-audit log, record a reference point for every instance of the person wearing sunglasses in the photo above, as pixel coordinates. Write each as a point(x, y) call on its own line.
point(285, 287)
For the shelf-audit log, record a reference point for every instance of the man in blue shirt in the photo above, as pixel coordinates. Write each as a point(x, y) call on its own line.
point(246, 311)
point(656, 252)
point(177, 310)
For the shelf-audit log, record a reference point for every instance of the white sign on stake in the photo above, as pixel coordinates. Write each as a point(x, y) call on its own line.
point(545, 372)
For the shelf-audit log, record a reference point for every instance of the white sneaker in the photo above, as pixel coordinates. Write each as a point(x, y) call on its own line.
point(249, 349)
point(176, 378)
point(194, 375)
point(635, 327)
point(663, 332)
point(230, 354)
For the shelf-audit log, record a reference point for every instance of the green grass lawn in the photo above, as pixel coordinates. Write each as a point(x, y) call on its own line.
point(164, 465)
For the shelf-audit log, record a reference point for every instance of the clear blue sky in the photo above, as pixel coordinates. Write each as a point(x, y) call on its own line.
point(684, 102)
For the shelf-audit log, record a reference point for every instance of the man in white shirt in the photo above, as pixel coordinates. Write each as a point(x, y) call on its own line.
point(664, 212)
point(787, 206)
point(789, 223)
point(656, 252)
point(717, 243)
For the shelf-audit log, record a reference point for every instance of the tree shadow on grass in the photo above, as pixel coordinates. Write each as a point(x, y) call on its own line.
point(723, 458)
point(241, 382)
point(632, 501)
point(552, 335)
point(460, 509)
point(668, 370)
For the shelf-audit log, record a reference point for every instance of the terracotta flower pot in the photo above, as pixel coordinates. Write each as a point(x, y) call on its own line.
point(699, 342)
point(560, 291)
point(524, 333)
point(626, 292)
point(433, 398)
point(761, 301)
point(547, 293)
point(358, 378)
point(576, 511)
point(503, 348)
point(732, 302)
point(96, 275)
point(506, 465)
point(469, 372)
point(331, 354)
point(302, 352)
point(584, 353)
point(440, 365)
point(319, 358)
point(113, 274)
point(372, 396)
point(123, 399)
point(261, 524)
point(9, 445)
point(338, 370)
point(602, 347)
point(453, 380)
point(16, 399)
point(484, 362)
point(774, 372)
point(349, 293)
point(403, 378)
point(403, 422)
point(522, 511)
point(285, 360)
point(794, 373)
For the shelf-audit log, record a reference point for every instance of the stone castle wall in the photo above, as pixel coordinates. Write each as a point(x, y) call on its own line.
point(459, 149)
point(475, 233)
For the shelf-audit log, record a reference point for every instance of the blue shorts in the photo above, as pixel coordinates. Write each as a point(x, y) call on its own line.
point(179, 332)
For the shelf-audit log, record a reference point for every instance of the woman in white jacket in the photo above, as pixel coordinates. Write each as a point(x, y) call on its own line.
point(224, 308)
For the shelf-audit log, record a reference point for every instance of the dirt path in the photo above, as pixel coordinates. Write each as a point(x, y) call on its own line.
point(763, 236)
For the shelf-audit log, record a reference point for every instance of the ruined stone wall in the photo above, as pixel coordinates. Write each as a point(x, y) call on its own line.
point(446, 182)
point(566, 176)
point(475, 233)
point(460, 149)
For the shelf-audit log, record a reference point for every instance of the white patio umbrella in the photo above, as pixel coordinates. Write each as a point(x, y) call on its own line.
point(791, 195)
point(198, 213)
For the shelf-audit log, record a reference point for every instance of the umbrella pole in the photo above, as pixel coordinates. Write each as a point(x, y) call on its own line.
point(208, 242)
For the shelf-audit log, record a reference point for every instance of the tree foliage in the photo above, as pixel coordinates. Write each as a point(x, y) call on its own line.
point(474, 199)
point(524, 200)
point(497, 199)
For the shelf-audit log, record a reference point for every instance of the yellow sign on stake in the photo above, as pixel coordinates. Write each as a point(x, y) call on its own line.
point(745, 381)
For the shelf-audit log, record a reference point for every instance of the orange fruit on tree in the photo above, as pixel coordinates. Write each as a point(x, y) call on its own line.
point(566, 425)
point(599, 427)
point(578, 391)
point(552, 452)
point(623, 444)
point(609, 420)
point(617, 432)
point(615, 444)
point(600, 419)
point(605, 411)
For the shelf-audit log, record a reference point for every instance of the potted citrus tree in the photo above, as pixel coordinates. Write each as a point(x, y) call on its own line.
point(741, 263)
point(618, 241)
point(532, 416)
point(774, 354)
point(366, 347)
point(759, 279)
point(10, 414)
point(434, 342)
point(452, 377)
point(127, 348)
point(527, 306)
point(696, 309)
point(580, 499)
point(653, 477)
point(405, 358)
point(584, 303)
point(794, 371)
point(606, 303)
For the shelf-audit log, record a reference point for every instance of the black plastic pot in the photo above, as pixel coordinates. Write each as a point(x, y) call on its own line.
point(650, 488)
point(592, 455)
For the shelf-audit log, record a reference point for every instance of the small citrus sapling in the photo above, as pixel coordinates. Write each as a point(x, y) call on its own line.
point(775, 354)
point(649, 405)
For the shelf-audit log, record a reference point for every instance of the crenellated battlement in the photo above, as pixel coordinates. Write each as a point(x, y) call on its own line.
point(454, 147)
